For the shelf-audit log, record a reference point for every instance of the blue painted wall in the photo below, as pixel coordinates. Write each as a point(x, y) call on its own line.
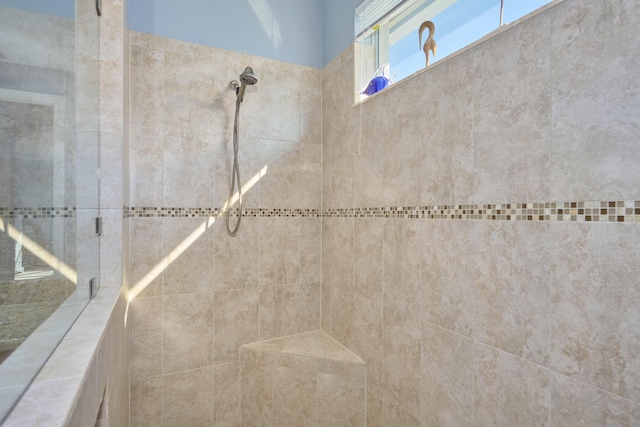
point(304, 32)
point(287, 30)
point(63, 8)
point(338, 17)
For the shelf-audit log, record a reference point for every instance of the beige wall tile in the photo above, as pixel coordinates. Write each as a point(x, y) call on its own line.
point(235, 322)
point(509, 390)
point(237, 258)
point(401, 358)
point(512, 299)
point(450, 274)
point(226, 396)
point(342, 316)
point(188, 244)
point(403, 261)
point(147, 87)
point(594, 320)
point(446, 382)
point(279, 311)
point(279, 251)
point(146, 402)
point(145, 337)
point(574, 403)
point(187, 331)
point(366, 341)
point(187, 398)
point(146, 252)
point(341, 400)
point(367, 258)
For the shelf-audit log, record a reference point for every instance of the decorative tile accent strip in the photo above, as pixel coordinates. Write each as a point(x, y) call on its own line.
point(155, 212)
point(30, 213)
point(608, 211)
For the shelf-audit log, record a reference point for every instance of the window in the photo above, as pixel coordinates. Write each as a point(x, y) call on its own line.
point(388, 41)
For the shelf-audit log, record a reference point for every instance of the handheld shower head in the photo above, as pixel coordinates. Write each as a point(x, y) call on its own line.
point(248, 78)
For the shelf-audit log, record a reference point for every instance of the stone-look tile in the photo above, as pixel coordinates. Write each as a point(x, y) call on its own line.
point(382, 411)
point(403, 261)
point(341, 400)
point(597, 154)
point(450, 274)
point(403, 158)
point(595, 324)
point(253, 170)
point(146, 253)
point(309, 182)
point(337, 243)
point(278, 92)
point(309, 306)
point(147, 173)
point(574, 403)
point(294, 396)
point(310, 99)
point(367, 336)
point(188, 247)
point(342, 316)
point(279, 251)
point(509, 390)
point(147, 86)
point(367, 258)
point(255, 389)
point(401, 358)
point(187, 398)
point(446, 382)
point(145, 337)
point(237, 258)
point(368, 169)
point(188, 91)
point(226, 395)
point(146, 402)
point(279, 311)
point(235, 322)
point(188, 150)
point(519, 104)
point(310, 250)
point(512, 300)
point(187, 331)
point(279, 186)
point(326, 309)
point(314, 345)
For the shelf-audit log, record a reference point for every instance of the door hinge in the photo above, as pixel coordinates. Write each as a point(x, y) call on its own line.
point(93, 287)
point(99, 226)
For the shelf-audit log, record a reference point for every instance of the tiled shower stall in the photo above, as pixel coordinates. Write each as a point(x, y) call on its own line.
point(471, 233)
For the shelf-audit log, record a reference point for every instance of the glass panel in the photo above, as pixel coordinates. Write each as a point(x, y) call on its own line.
point(515, 9)
point(49, 140)
point(460, 24)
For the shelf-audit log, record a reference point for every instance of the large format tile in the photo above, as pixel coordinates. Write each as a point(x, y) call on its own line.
point(509, 390)
point(187, 331)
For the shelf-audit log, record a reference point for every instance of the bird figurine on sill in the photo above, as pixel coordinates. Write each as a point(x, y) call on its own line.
point(430, 43)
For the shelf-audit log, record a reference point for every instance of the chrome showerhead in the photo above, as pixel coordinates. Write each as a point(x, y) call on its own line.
point(248, 78)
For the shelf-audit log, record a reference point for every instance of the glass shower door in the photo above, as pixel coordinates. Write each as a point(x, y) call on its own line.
point(49, 164)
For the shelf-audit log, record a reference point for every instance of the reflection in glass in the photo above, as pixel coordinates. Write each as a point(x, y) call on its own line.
point(40, 294)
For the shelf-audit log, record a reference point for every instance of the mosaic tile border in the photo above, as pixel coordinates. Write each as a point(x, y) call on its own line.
point(155, 212)
point(594, 211)
point(31, 213)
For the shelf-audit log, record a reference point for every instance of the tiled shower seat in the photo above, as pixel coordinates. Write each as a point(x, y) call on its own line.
point(301, 380)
